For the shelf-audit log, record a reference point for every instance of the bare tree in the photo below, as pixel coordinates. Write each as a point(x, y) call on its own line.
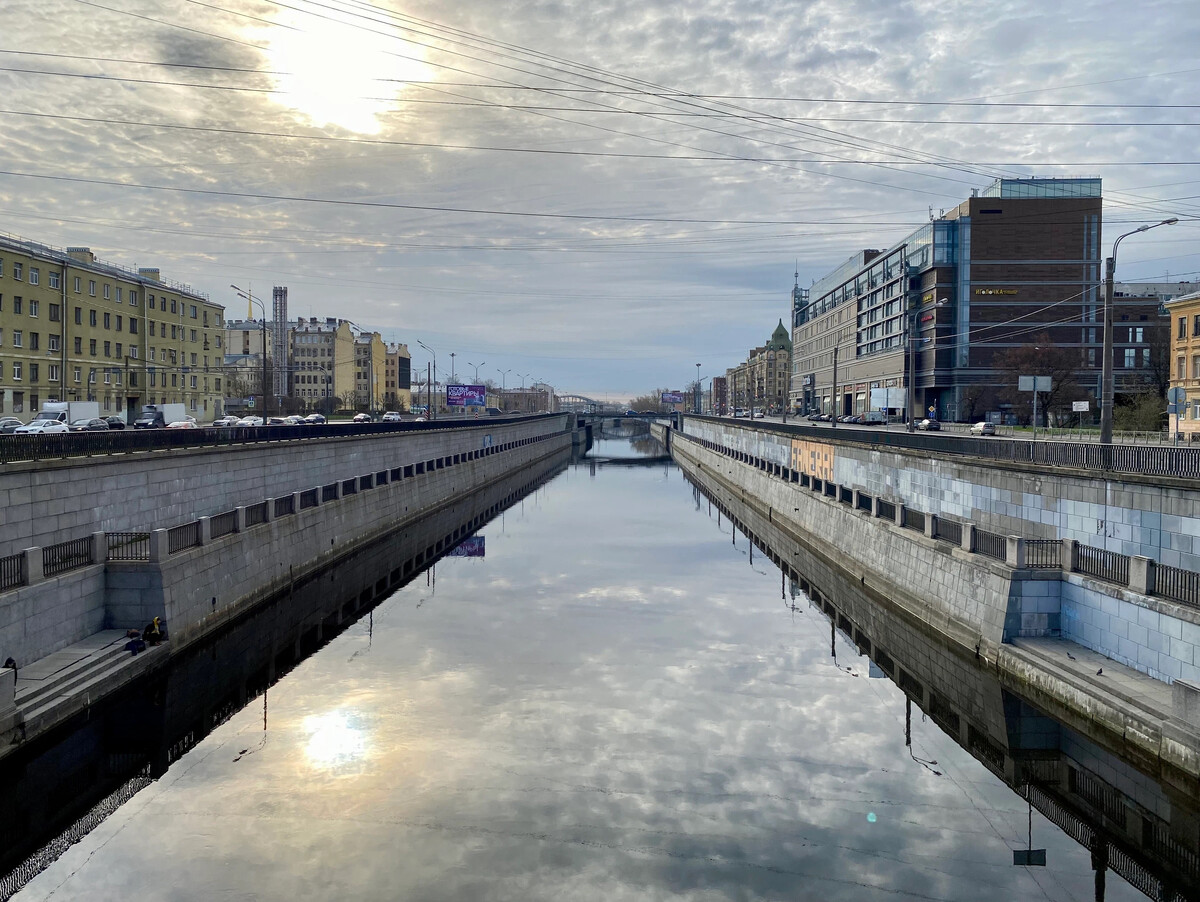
point(1041, 358)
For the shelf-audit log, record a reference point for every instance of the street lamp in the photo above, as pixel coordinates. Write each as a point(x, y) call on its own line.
point(253, 300)
point(434, 353)
point(503, 387)
point(697, 395)
point(452, 356)
point(476, 367)
point(1106, 370)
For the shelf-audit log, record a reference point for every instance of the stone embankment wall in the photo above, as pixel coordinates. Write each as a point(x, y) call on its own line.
point(43, 502)
point(1152, 516)
point(356, 497)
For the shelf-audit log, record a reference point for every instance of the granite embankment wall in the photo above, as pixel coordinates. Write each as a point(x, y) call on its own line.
point(1154, 516)
point(44, 502)
point(263, 546)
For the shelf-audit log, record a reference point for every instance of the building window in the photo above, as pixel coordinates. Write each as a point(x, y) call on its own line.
point(193, 331)
point(78, 345)
point(18, 304)
point(16, 367)
point(108, 349)
point(1179, 371)
point(1130, 358)
point(35, 308)
point(92, 347)
point(51, 342)
point(132, 298)
point(107, 291)
point(107, 320)
point(133, 329)
point(1195, 326)
point(118, 350)
point(18, 271)
point(78, 285)
point(79, 316)
point(193, 381)
point(118, 322)
point(118, 294)
point(133, 351)
point(52, 372)
point(34, 372)
point(92, 287)
point(18, 338)
point(1196, 367)
point(78, 374)
point(55, 313)
point(193, 311)
point(1182, 327)
point(34, 275)
point(91, 377)
point(54, 279)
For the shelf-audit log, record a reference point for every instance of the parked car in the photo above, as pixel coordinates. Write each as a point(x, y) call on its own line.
point(42, 427)
point(392, 416)
point(928, 425)
point(739, 411)
point(983, 429)
point(362, 418)
point(10, 424)
point(115, 422)
point(631, 413)
point(226, 421)
point(183, 424)
point(315, 419)
point(757, 413)
point(250, 421)
point(89, 424)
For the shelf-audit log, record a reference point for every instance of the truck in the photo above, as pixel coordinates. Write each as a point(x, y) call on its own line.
point(68, 411)
point(156, 416)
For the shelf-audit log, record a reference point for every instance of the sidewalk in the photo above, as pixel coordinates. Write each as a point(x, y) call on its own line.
point(51, 690)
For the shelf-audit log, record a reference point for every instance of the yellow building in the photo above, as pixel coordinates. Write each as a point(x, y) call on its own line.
point(74, 328)
point(370, 370)
point(1185, 361)
point(397, 390)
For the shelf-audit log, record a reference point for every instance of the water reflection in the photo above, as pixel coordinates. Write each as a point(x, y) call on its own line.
point(622, 700)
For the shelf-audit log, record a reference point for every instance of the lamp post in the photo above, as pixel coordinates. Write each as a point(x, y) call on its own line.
point(452, 356)
point(1106, 370)
point(503, 387)
point(476, 367)
point(434, 353)
point(697, 394)
point(253, 300)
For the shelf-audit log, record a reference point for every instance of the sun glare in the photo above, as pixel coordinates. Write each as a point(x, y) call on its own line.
point(337, 73)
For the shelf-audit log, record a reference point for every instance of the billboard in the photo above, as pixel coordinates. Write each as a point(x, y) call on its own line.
point(672, 397)
point(472, 546)
point(466, 395)
point(888, 398)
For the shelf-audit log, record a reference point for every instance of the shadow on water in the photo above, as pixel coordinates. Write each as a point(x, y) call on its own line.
point(1141, 825)
point(62, 785)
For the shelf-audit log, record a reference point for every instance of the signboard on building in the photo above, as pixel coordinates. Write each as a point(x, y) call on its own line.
point(466, 395)
point(1080, 406)
point(672, 397)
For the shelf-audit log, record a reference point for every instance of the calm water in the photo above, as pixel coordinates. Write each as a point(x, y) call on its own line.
point(615, 703)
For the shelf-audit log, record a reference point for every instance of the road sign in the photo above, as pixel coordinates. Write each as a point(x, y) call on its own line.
point(1176, 396)
point(1034, 383)
point(1080, 406)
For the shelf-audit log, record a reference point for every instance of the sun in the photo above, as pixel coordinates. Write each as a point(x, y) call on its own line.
point(340, 71)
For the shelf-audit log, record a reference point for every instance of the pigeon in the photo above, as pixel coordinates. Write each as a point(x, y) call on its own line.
point(1071, 656)
point(1100, 671)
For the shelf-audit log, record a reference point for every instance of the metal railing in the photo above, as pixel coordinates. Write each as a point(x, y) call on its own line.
point(256, 513)
point(185, 535)
point(914, 519)
point(329, 492)
point(10, 570)
point(1103, 564)
point(989, 544)
point(128, 546)
point(886, 510)
point(950, 530)
point(1043, 554)
point(1177, 584)
point(284, 505)
point(66, 556)
point(223, 524)
point(309, 499)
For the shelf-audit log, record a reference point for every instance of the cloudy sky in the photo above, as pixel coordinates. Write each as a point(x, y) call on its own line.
point(597, 195)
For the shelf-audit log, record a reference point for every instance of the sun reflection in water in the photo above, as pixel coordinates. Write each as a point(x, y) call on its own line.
point(337, 740)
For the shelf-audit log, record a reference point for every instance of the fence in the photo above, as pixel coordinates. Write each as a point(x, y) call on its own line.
point(256, 513)
point(223, 524)
point(11, 568)
point(989, 544)
point(128, 546)
point(950, 530)
point(1103, 564)
point(1043, 554)
point(185, 535)
point(914, 519)
point(886, 509)
point(1178, 585)
point(284, 506)
point(66, 556)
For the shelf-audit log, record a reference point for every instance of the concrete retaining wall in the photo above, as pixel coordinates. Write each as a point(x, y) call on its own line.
point(42, 503)
point(1155, 517)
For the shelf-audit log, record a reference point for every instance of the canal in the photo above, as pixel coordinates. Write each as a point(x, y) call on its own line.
point(605, 692)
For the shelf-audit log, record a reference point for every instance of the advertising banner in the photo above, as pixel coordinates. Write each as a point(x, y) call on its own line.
point(472, 546)
point(672, 397)
point(466, 395)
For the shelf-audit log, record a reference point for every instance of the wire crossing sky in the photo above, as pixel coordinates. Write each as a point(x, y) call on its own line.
point(600, 195)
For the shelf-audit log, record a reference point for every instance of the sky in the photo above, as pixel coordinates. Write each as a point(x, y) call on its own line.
point(600, 196)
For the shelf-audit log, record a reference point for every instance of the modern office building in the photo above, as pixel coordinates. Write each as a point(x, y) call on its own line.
point(75, 328)
point(1016, 263)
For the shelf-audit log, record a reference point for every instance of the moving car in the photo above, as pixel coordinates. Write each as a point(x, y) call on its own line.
point(183, 424)
point(42, 427)
point(494, 411)
point(928, 425)
point(983, 429)
point(115, 422)
point(250, 421)
point(315, 419)
point(739, 411)
point(10, 424)
point(758, 414)
point(362, 418)
point(89, 424)
point(631, 413)
point(392, 416)
point(226, 421)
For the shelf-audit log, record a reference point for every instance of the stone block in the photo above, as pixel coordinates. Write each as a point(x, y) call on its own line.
point(31, 566)
point(1185, 694)
point(1141, 574)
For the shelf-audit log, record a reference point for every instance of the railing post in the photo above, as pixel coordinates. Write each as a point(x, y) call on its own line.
point(295, 502)
point(1014, 552)
point(1142, 571)
point(205, 529)
point(968, 537)
point(269, 510)
point(31, 567)
point(159, 549)
point(239, 519)
point(337, 490)
point(875, 506)
point(899, 514)
point(930, 525)
point(1068, 554)
point(854, 499)
point(319, 492)
point(99, 547)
